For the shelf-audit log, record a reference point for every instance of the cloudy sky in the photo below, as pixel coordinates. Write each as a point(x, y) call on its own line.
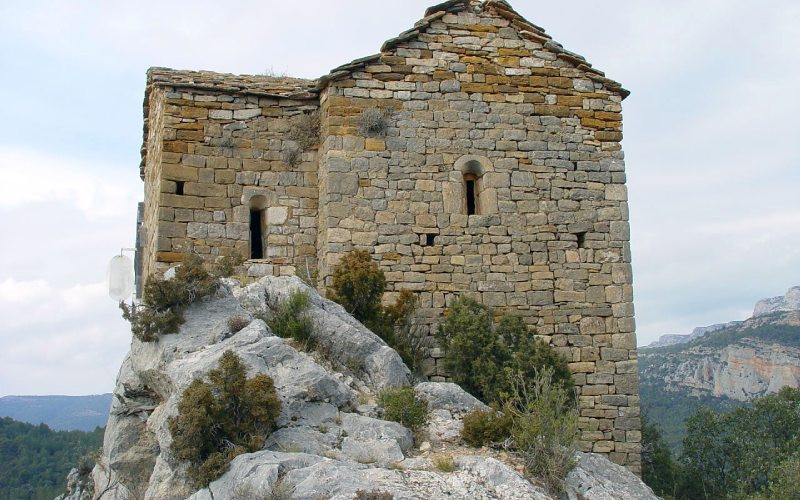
point(713, 159)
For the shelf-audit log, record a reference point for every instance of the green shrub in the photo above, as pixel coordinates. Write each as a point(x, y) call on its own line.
point(444, 463)
point(544, 428)
point(164, 301)
point(529, 354)
point(474, 355)
point(487, 359)
point(402, 405)
point(289, 319)
point(485, 427)
point(222, 418)
point(358, 285)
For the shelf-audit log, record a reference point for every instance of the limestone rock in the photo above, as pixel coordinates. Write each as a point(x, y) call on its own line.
point(788, 302)
point(596, 478)
point(325, 445)
point(78, 488)
point(447, 403)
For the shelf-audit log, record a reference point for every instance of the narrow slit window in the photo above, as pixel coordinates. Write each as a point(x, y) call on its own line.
point(471, 195)
point(179, 187)
point(256, 236)
point(581, 239)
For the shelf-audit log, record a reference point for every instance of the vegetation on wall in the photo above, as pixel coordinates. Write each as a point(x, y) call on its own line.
point(222, 418)
point(749, 452)
point(358, 285)
point(35, 459)
point(304, 130)
point(372, 122)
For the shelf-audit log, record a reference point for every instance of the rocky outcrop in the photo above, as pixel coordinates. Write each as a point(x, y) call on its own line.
point(78, 487)
point(788, 302)
point(742, 371)
point(330, 441)
point(746, 359)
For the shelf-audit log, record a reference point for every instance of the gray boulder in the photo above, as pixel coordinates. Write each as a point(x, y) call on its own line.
point(597, 478)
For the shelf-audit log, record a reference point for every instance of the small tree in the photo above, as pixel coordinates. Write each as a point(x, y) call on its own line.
point(222, 418)
point(474, 355)
point(659, 470)
point(544, 427)
point(358, 285)
point(486, 360)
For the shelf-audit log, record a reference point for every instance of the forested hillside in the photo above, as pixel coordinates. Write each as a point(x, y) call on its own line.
point(60, 413)
point(36, 459)
point(722, 370)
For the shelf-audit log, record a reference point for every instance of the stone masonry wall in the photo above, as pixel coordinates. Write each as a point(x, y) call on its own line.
point(550, 240)
point(227, 149)
point(473, 89)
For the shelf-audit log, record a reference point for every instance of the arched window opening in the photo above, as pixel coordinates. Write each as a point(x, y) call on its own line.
point(258, 211)
point(471, 193)
point(256, 234)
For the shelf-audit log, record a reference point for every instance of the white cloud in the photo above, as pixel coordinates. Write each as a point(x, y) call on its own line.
point(67, 340)
point(31, 177)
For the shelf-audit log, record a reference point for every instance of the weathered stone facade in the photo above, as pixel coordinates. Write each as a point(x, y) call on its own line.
point(494, 170)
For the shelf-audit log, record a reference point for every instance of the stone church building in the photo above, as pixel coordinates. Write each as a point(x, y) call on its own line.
point(473, 155)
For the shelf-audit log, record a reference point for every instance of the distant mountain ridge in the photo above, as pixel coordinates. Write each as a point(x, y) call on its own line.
point(82, 413)
point(782, 303)
point(785, 303)
point(721, 366)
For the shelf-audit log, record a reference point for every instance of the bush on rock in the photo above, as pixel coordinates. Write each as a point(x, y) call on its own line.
point(402, 405)
point(358, 286)
point(222, 418)
point(289, 319)
point(164, 301)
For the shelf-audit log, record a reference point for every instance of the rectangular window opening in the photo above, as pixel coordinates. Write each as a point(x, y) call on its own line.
point(470, 197)
point(581, 239)
point(429, 240)
point(179, 187)
point(256, 237)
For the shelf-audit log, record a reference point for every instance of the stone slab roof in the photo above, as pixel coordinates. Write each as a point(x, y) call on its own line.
point(267, 86)
point(299, 88)
point(502, 8)
point(259, 85)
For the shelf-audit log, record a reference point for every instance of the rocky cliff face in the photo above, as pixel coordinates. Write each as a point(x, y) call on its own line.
point(743, 361)
point(788, 302)
point(330, 442)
